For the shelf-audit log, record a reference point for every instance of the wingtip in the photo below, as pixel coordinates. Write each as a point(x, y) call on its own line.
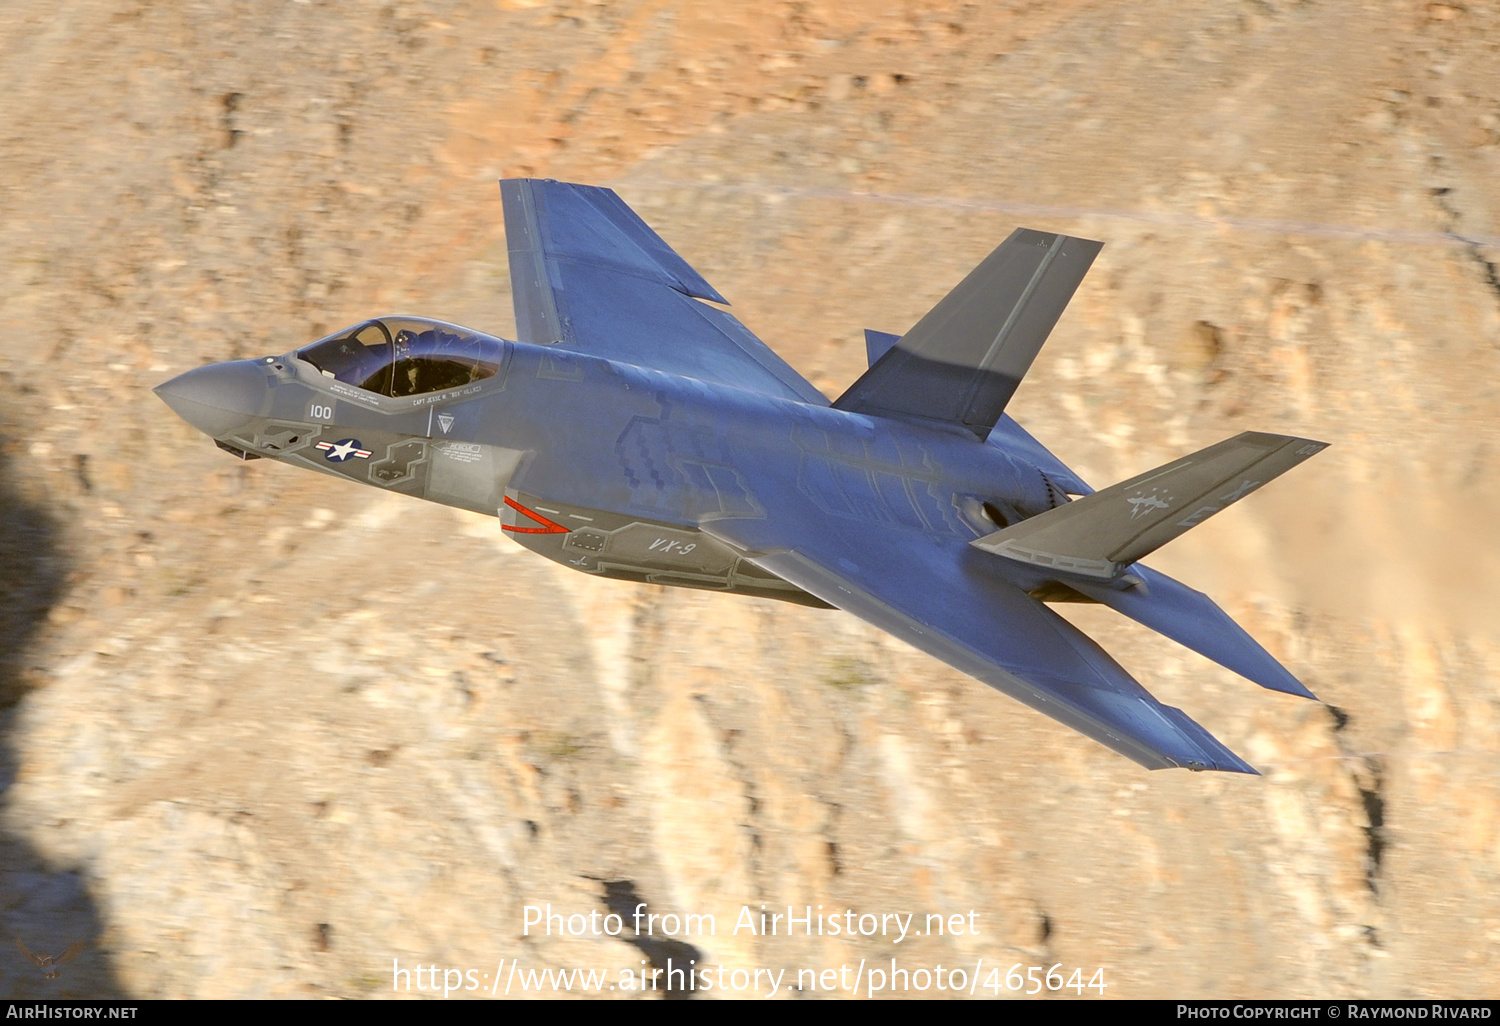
point(1240, 767)
point(1203, 751)
point(1226, 761)
point(1284, 683)
point(1221, 764)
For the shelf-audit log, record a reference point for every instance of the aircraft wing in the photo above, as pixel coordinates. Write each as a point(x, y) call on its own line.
point(947, 599)
point(588, 274)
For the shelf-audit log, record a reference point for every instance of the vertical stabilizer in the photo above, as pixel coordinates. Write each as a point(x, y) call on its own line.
point(961, 363)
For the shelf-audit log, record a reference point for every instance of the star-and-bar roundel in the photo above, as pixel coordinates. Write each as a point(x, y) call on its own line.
point(341, 451)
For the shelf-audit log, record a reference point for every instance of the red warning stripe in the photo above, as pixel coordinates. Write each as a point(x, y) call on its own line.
point(548, 526)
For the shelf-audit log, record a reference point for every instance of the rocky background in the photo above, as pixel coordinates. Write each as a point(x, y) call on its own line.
point(266, 733)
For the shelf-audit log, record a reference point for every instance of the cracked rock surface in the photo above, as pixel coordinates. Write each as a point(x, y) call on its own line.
point(269, 734)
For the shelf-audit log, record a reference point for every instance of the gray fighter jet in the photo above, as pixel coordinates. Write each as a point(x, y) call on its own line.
point(636, 432)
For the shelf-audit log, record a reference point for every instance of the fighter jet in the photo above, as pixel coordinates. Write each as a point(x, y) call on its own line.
point(636, 430)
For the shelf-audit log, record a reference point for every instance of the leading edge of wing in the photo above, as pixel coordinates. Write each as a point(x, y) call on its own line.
point(588, 274)
point(940, 599)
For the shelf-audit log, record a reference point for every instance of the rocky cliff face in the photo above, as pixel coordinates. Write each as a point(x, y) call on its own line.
point(271, 735)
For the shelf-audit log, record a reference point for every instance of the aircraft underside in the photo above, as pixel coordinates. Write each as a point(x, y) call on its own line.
point(627, 548)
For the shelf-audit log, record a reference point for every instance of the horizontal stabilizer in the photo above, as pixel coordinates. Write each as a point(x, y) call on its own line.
point(1101, 534)
point(877, 344)
point(1192, 619)
point(961, 362)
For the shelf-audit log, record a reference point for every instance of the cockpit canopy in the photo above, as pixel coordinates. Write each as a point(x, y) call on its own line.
point(400, 356)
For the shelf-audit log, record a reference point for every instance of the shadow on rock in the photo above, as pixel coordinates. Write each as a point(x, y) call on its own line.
point(42, 907)
point(672, 960)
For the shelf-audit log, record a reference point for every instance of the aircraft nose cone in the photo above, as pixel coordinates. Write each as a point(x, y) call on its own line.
point(217, 399)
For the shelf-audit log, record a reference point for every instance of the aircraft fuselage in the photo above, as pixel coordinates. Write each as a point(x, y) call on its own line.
point(611, 468)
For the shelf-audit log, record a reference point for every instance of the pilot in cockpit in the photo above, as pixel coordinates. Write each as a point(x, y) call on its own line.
point(413, 368)
point(426, 356)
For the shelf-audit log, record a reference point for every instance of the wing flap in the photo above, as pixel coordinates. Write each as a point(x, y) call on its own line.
point(947, 601)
